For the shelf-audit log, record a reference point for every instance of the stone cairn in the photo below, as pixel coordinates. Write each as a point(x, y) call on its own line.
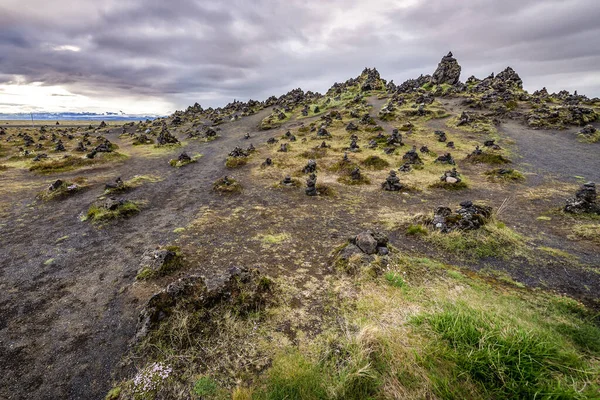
point(311, 185)
point(585, 200)
point(468, 217)
point(392, 183)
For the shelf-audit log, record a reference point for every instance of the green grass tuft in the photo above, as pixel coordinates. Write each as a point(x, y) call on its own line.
point(417, 230)
point(394, 279)
point(205, 387)
point(507, 359)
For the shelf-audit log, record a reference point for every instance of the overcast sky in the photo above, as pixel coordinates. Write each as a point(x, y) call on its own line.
point(143, 56)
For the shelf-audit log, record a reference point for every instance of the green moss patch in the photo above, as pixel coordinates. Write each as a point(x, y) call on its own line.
point(98, 213)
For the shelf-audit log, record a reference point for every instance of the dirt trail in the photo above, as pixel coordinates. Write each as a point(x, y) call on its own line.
point(548, 153)
point(557, 153)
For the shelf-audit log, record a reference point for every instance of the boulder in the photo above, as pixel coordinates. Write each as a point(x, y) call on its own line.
point(366, 242)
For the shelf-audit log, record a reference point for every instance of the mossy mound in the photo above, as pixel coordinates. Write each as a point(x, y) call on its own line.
point(375, 162)
point(487, 158)
point(113, 209)
point(450, 186)
point(227, 185)
point(70, 163)
point(236, 162)
point(504, 175)
point(61, 189)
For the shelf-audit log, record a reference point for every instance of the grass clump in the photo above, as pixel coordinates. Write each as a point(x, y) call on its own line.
point(315, 153)
point(348, 180)
point(417, 230)
point(160, 263)
point(375, 162)
point(294, 377)
point(449, 186)
point(342, 166)
point(181, 163)
point(236, 162)
point(269, 240)
point(593, 138)
point(99, 213)
point(589, 232)
point(492, 240)
point(70, 163)
point(205, 387)
point(394, 279)
point(556, 252)
point(507, 359)
point(487, 158)
point(325, 190)
point(504, 175)
point(227, 185)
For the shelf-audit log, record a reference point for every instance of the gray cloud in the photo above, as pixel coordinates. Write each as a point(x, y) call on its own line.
point(213, 51)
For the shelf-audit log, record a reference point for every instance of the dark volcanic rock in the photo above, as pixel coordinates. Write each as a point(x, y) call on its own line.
point(585, 200)
point(448, 71)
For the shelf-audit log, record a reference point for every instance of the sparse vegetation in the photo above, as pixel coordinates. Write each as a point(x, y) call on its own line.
point(417, 230)
point(589, 232)
point(349, 314)
point(236, 162)
point(227, 185)
point(72, 162)
point(405, 334)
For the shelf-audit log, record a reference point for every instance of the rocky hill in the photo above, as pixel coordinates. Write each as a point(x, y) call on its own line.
point(436, 238)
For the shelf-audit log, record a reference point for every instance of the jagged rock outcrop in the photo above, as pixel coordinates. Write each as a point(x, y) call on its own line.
point(447, 72)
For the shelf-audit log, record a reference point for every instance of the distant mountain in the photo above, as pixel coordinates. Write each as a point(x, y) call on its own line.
point(108, 116)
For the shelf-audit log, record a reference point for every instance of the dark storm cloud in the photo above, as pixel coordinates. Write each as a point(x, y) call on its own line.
point(213, 51)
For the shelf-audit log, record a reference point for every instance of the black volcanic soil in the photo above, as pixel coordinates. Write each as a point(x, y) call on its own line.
point(68, 301)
